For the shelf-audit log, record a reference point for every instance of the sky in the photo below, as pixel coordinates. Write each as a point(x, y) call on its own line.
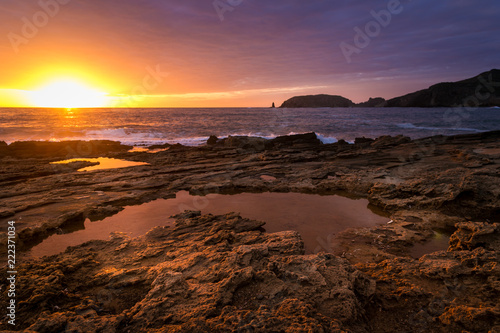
point(238, 53)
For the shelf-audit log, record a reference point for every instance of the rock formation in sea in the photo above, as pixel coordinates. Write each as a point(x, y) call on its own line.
point(482, 90)
point(376, 102)
point(317, 101)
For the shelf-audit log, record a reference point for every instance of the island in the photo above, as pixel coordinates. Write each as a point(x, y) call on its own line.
point(479, 91)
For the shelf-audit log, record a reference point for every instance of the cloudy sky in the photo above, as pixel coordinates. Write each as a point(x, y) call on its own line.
point(244, 52)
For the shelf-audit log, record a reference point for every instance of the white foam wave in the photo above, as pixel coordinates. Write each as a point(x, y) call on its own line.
point(123, 135)
point(147, 138)
point(326, 139)
point(462, 129)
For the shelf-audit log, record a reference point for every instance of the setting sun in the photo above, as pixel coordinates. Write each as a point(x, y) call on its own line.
point(68, 93)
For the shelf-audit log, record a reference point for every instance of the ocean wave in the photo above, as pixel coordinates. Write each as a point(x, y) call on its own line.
point(462, 129)
point(326, 139)
point(136, 138)
point(147, 138)
point(323, 138)
point(268, 136)
point(124, 135)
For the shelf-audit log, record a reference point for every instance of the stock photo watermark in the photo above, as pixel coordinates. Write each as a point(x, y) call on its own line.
point(223, 6)
point(31, 25)
point(151, 81)
point(324, 244)
point(372, 29)
point(11, 273)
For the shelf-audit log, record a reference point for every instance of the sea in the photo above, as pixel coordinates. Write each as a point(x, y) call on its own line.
point(193, 126)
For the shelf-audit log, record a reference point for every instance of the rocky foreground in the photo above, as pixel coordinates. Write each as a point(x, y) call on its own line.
point(224, 273)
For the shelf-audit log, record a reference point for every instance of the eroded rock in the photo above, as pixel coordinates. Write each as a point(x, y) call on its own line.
point(207, 274)
point(438, 182)
point(471, 235)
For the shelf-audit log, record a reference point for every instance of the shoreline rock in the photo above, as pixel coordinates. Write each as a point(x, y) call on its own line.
point(66, 149)
point(208, 274)
point(423, 185)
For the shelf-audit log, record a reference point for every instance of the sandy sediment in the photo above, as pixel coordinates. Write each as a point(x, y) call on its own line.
point(223, 273)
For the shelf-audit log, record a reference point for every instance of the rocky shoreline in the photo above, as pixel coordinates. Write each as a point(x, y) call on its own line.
point(223, 273)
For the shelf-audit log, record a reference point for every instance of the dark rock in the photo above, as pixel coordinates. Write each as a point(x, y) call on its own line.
point(4, 148)
point(291, 140)
point(461, 93)
point(99, 213)
point(6, 213)
point(212, 140)
point(376, 102)
point(468, 300)
point(178, 146)
point(206, 274)
point(317, 101)
point(363, 141)
point(470, 235)
point(73, 166)
point(244, 142)
point(162, 146)
point(342, 142)
point(387, 140)
point(482, 90)
point(64, 149)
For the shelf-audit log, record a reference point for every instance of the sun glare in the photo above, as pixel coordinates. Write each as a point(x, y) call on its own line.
point(68, 94)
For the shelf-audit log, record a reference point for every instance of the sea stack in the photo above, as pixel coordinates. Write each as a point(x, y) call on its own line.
point(273, 106)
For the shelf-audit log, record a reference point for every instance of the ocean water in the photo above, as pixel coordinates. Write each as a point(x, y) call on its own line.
point(193, 126)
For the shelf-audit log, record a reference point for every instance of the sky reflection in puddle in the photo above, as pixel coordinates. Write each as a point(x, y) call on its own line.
point(315, 217)
point(104, 163)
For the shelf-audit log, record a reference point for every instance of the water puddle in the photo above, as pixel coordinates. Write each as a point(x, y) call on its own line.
point(268, 178)
point(439, 242)
point(104, 163)
point(317, 218)
point(147, 150)
point(488, 151)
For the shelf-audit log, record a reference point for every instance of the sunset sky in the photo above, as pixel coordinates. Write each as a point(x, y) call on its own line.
point(187, 53)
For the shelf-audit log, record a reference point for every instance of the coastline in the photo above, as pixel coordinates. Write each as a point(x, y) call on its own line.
point(424, 184)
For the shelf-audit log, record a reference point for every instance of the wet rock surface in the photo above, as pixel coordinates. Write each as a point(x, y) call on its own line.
point(206, 274)
point(435, 183)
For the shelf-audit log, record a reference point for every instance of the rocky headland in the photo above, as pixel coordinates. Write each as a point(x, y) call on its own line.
point(317, 101)
point(225, 273)
point(482, 90)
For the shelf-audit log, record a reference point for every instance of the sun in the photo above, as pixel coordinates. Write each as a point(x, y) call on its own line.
point(68, 93)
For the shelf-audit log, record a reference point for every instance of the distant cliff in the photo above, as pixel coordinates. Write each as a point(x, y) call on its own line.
point(373, 103)
point(481, 90)
point(330, 101)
